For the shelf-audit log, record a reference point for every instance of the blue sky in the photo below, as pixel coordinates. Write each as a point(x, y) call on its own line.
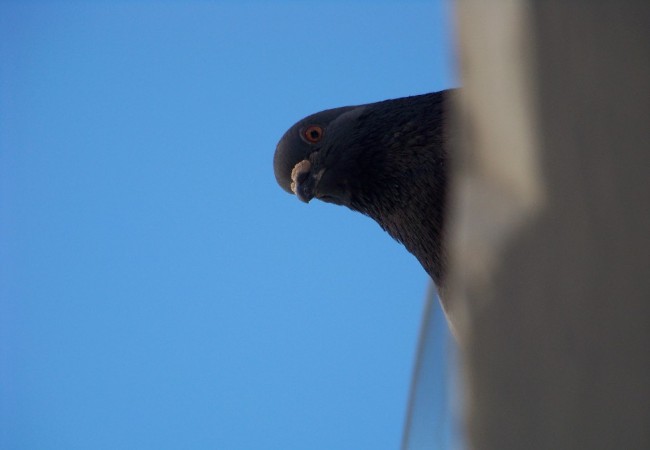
point(157, 288)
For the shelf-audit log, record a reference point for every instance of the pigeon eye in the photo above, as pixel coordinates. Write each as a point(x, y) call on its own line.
point(313, 133)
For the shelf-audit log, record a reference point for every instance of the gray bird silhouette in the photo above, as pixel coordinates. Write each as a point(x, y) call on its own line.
point(387, 160)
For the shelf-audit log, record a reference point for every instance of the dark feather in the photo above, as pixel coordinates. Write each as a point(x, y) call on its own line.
point(387, 160)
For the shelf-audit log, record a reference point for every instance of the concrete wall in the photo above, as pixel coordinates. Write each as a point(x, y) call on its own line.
point(551, 229)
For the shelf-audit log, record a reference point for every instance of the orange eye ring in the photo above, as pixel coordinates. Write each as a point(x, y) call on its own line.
point(313, 133)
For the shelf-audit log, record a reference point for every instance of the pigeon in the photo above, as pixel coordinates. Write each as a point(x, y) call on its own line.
point(387, 160)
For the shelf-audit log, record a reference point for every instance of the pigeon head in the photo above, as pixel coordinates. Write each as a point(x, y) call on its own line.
point(312, 159)
point(387, 160)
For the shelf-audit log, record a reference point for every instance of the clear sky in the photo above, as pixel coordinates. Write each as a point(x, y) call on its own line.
point(158, 290)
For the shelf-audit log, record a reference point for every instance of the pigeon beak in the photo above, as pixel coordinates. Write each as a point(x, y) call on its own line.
point(304, 181)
